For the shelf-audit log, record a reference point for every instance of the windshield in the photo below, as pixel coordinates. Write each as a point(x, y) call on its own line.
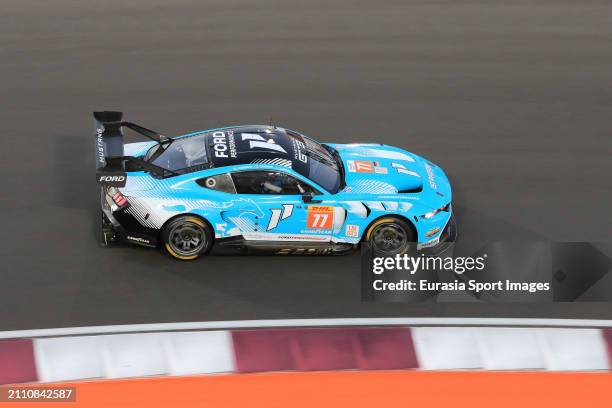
point(180, 153)
point(323, 167)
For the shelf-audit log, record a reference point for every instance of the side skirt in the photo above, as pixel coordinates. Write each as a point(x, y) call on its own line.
point(233, 245)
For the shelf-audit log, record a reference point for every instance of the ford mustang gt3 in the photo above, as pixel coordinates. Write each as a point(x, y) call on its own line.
point(266, 189)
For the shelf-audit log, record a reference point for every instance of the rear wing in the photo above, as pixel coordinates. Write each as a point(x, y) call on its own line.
point(110, 159)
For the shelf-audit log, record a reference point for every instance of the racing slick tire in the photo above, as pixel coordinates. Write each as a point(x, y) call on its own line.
point(186, 237)
point(390, 236)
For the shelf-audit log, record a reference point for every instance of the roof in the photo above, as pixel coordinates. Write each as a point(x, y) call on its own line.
point(257, 145)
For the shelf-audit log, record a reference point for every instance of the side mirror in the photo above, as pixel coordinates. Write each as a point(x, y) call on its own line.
point(309, 198)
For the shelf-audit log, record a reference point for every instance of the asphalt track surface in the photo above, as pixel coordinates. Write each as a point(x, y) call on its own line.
point(512, 99)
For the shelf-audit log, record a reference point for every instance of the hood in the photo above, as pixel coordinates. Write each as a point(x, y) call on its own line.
point(380, 169)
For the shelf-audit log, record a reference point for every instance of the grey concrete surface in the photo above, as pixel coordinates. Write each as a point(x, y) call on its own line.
point(512, 99)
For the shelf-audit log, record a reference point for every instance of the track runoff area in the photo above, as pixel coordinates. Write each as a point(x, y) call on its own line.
point(351, 389)
point(486, 362)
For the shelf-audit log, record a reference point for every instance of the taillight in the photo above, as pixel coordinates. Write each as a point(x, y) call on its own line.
point(120, 200)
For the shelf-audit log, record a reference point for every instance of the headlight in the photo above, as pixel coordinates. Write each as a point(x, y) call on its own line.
point(434, 212)
point(431, 213)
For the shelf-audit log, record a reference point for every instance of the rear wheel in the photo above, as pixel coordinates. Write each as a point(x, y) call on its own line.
point(391, 236)
point(186, 238)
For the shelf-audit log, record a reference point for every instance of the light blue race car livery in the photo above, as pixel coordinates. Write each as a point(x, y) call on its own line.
point(266, 189)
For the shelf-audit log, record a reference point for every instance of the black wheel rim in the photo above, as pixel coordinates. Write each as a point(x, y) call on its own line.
point(187, 238)
point(389, 239)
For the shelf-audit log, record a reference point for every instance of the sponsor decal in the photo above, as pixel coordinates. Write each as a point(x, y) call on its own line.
point(313, 232)
point(381, 170)
point(298, 151)
point(428, 244)
point(220, 144)
point(320, 217)
point(431, 177)
point(114, 179)
point(138, 239)
point(352, 230)
point(232, 144)
point(109, 179)
point(268, 236)
point(100, 145)
point(300, 238)
point(224, 145)
point(432, 232)
point(360, 166)
point(304, 251)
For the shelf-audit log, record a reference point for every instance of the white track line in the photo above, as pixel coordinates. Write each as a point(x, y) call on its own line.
point(251, 324)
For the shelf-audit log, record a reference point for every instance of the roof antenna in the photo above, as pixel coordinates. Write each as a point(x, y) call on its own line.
point(274, 126)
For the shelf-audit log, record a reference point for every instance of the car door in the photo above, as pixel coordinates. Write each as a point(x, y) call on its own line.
point(282, 214)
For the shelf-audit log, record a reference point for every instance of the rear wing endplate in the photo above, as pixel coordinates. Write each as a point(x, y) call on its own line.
point(109, 143)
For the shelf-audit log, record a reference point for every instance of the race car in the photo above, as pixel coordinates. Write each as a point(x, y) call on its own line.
point(266, 189)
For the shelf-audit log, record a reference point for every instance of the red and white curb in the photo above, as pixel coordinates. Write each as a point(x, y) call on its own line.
point(304, 349)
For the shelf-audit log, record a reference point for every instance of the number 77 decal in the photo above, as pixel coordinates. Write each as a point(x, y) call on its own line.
point(320, 217)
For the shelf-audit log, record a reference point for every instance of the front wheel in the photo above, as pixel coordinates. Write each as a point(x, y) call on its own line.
point(391, 236)
point(186, 238)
